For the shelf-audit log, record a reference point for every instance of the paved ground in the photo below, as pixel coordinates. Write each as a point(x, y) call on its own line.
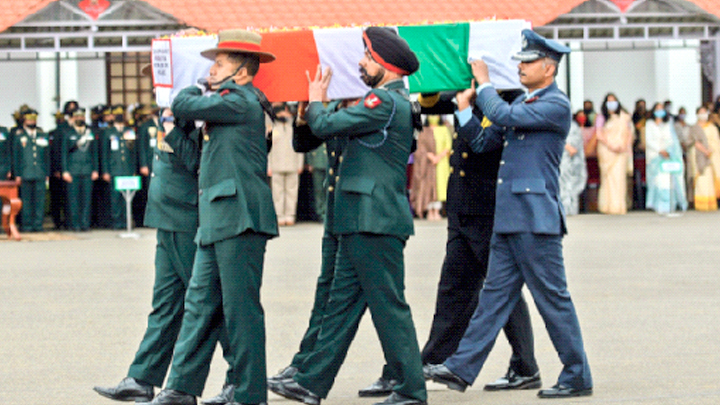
point(646, 287)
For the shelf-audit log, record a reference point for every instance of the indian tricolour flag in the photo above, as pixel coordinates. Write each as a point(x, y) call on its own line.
point(443, 51)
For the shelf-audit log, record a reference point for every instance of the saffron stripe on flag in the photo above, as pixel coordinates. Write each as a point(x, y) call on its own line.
point(285, 79)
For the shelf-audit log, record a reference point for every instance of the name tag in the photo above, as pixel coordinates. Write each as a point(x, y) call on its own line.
point(114, 143)
point(42, 142)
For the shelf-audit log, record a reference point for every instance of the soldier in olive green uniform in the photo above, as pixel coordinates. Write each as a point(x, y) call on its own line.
point(372, 217)
point(236, 220)
point(79, 164)
point(5, 154)
point(118, 158)
point(31, 169)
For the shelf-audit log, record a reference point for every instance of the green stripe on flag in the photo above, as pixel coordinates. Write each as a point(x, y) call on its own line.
point(442, 50)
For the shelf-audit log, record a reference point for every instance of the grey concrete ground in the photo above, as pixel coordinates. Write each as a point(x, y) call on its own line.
point(646, 287)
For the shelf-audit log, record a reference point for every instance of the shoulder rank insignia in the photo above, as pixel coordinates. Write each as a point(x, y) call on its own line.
point(372, 101)
point(531, 99)
point(225, 92)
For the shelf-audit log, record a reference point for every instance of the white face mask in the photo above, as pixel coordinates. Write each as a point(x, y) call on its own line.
point(612, 105)
point(702, 117)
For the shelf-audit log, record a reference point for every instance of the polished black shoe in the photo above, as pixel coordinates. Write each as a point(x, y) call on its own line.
point(171, 397)
point(379, 388)
point(441, 374)
point(225, 396)
point(426, 371)
point(561, 391)
point(129, 389)
point(514, 381)
point(290, 389)
point(284, 374)
point(399, 399)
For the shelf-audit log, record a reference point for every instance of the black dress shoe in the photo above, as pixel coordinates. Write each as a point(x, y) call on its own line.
point(290, 389)
point(284, 374)
point(171, 397)
point(426, 371)
point(514, 381)
point(441, 374)
point(129, 389)
point(379, 388)
point(225, 396)
point(399, 399)
point(561, 391)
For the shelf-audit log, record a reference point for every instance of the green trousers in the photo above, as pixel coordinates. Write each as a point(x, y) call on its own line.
point(32, 194)
point(369, 273)
point(322, 293)
point(174, 255)
point(79, 198)
point(224, 291)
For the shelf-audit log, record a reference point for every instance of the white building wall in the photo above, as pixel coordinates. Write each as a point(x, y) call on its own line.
point(27, 80)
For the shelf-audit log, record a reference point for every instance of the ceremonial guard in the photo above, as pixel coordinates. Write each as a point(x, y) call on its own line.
point(31, 168)
point(372, 218)
point(118, 154)
point(304, 141)
point(80, 167)
point(236, 220)
point(5, 154)
point(526, 245)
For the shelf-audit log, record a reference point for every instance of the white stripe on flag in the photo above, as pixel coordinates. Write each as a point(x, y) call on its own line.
point(341, 49)
point(496, 42)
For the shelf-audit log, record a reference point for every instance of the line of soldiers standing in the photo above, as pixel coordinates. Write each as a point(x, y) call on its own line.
point(77, 162)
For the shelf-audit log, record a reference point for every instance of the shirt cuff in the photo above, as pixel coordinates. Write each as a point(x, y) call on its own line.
point(464, 116)
point(482, 87)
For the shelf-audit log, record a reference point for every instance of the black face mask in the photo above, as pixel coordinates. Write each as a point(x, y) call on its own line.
point(80, 124)
point(32, 126)
point(119, 118)
point(371, 81)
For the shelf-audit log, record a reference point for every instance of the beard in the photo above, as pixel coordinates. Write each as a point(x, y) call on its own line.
point(371, 81)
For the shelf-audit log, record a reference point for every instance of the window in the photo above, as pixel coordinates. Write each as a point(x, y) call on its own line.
point(125, 84)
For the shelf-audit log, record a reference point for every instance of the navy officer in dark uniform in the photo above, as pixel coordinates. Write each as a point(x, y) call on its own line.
point(529, 219)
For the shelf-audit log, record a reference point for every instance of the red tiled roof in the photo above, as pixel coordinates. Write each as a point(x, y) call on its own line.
point(222, 14)
point(262, 14)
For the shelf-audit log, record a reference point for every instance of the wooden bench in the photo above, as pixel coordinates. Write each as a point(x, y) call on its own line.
point(11, 205)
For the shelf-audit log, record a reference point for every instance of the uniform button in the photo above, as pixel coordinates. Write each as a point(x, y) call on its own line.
point(502, 162)
point(499, 181)
point(157, 157)
point(462, 173)
point(337, 178)
point(506, 143)
point(206, 138)
point(455, 135)
point(330, 171)
point(452, 169)
point(464, 155)
point(331, 188)
point(341, 159)
point(527, 190)
point(123, 159)
point(332, 153)
point(152, 174)
point(199, 192)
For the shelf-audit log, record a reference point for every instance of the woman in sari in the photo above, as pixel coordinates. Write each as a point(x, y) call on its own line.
point(614, 136)
point(663, 164)
point(705, 162)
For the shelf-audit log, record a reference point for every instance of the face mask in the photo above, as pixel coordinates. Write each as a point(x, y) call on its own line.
point(119, 118)
point(659, 113)
point(681, 117)
point(80, 124)
point(581, 120)
point(32, 126)
point(703, 117)
point(612, 105)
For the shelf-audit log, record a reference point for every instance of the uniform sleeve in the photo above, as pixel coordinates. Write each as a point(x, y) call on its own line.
point(185, 147)
point(227, 106)
point(546, 113)
point(366, 118)
point(481, 139)
point(143, 142)
point(303, 139)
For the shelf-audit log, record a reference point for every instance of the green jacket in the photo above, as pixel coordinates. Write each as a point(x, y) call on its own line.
point(370, 186)
point(118, 152)
point(79, 153)
point(32, 155)
point(146, 142)
point(234, 192)
point(172, 203)
point(6, 156)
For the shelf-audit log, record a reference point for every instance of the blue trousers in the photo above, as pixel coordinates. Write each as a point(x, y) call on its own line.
point(535, 260)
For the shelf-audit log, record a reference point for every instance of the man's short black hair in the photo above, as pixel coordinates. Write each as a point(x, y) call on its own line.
point(248, 60)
